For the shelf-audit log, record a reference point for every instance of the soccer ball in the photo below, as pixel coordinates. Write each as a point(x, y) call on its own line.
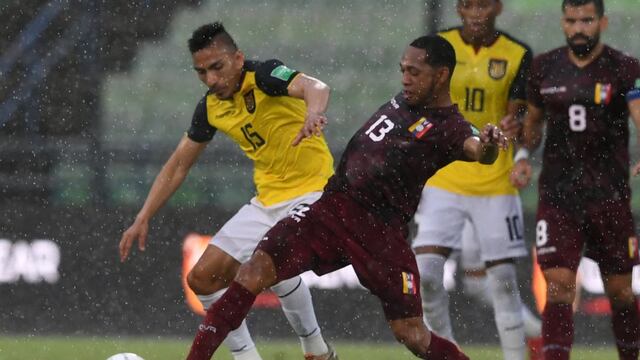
point(125, 356)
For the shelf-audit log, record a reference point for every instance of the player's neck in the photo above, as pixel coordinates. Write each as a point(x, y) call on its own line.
point(588, 59)
point(478, 42)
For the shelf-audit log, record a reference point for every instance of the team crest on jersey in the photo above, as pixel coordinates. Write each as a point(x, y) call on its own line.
point(420, 127)
point(497, 68)
point(250, 102)
point(633, 247)
point(409, 285)
point(602, 94)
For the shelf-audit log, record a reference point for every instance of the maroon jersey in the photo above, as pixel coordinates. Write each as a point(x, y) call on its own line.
point(388, 161)
point(586, 156)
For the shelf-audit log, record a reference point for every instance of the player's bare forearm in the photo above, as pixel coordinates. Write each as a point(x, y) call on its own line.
point(485, 148)
point(634, 112)
point(316, 96)
point(171, 176)
point(532, 131)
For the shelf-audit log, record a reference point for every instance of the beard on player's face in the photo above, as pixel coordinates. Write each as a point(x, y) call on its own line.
point(582, 45)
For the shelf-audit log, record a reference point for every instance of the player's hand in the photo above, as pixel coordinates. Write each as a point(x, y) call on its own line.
point(635, 170)
point(137, 231)
point(511, 127)
point(314, 123)
point(520, 174)
point(491, 134)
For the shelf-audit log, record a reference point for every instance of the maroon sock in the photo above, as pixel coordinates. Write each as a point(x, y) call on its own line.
point(442, 349)
point(223, 316)
point(557, 331)
point(626, 329)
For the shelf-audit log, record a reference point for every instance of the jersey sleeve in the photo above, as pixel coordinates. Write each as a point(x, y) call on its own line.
point(462, 132)
point(518, 90)
point(631, 80)
point(533, 84)
point(273, 77)
point(200, 130)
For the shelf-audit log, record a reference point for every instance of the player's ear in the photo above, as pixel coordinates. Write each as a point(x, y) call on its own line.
point(238, 59)
point(442, 75)
point(498, 7)
point(604, 23)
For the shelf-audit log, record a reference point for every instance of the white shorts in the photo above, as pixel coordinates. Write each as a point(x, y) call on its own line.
point(240, 235)
point(496, 223)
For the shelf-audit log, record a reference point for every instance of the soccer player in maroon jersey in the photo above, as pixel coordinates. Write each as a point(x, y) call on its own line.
point(584, 92)
point(361, 219)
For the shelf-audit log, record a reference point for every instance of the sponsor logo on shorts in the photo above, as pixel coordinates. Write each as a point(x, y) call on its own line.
point(409, 285)
point(633, 247)
point(298, 212)
point(546, 250)
point(208, 328)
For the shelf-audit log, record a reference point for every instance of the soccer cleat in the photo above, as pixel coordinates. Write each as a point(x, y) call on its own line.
point(330, 355)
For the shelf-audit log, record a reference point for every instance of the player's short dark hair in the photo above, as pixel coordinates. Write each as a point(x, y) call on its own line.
point(599, 4)
point(439, 51)
point(206, 34)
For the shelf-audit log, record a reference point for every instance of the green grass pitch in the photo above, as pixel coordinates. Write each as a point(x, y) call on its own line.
point(84, 348)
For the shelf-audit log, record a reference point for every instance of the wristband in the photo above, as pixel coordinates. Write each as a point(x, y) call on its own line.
point(521, 154)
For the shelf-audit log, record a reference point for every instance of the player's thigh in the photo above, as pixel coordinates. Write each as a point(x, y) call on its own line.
point(385, 264)
point(239, 236)
point(439, 218)
point(470, 258)
point(214, 265)
point(559, 238)
point(611, 240)
point(497, 223)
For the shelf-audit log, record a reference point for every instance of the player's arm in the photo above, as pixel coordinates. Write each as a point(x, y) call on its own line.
point(511, 124)
point(166, 183)
point(315, 94)
point(531, 138)
point(484, 147)
point(634, 112)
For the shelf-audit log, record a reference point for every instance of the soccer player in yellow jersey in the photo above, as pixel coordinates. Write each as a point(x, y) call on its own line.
point(488, 84)
point(276, 115)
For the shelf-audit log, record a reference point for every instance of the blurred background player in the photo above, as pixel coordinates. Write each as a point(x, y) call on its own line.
point(362, 217)
point(264, 107)
point(584, 92)
point(489, 84)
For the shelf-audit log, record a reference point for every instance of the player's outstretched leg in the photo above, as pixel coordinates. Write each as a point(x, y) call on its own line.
point(238, 341)
point(425, 344)
point(297, 306)
point(229, 311)
point(435, 300)
point(209, 279)
point(624, 315)
point(507, 307)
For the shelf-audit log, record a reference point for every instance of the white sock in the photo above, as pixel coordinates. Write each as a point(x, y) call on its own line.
point(507, 306)
point(476, 288)
point(297, 306)
point(435, 300)
point(532, 324)
point(239, 340)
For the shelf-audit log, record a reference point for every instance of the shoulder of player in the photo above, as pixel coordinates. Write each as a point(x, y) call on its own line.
point(550, 56)
point(620, 56)
point(514, 42)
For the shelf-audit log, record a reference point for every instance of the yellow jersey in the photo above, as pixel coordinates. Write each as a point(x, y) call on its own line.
point(263, 120)
point(482, 85)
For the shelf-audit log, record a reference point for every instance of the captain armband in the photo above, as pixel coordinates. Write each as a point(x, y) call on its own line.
point(521, 154)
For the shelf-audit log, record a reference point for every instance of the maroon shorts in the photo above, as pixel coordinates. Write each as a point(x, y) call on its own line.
point(603, 230)
point(335, 232)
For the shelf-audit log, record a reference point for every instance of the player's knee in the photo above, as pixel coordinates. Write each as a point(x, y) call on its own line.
point(203, 283)
point(258, 273)
point(561, 291)
point(621, 297)
point(412, 334)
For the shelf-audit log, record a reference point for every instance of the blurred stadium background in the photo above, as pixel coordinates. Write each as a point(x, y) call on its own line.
point(94, 96)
